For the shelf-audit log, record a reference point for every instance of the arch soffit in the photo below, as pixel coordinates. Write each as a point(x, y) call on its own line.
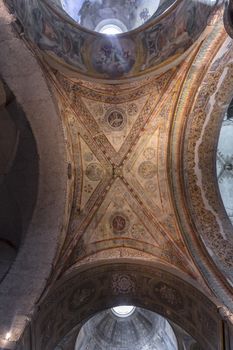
point(23, 75)
point(93, 288)
point(206, 94)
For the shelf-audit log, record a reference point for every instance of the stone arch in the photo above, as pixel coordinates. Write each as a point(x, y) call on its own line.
point(96, 287)
point(27, 278)
point(202, 216)
point(18, 178)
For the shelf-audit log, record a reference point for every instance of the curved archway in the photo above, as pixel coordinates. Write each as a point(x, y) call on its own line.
point(90, 289)
point(18, 179)
point(204, 222)
point(45, 234)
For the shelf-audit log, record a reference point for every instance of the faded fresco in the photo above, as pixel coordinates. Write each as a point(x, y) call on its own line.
point(113, 57)
point(166, 38)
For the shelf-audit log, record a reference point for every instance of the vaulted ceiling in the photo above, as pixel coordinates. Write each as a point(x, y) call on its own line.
point(134, 163)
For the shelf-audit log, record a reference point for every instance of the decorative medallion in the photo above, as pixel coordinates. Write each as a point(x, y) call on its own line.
point(132, 109)
point(94, 172)
point(169, 295)
point(149, 153)
point(150, 186)
point(119, 223)
point(115, 119)
point(88, 157)
point(147, 170)
point(88, 188)
point(123, 284)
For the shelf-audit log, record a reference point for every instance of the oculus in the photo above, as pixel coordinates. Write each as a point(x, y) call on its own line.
point(111, 29)
point(123, 310)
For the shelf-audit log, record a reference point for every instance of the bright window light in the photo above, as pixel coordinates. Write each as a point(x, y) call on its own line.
point(123, 310)
point(111, 29)
point(8, 336)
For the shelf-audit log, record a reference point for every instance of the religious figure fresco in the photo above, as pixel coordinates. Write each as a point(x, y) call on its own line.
point(113, 57)
point(176, 33)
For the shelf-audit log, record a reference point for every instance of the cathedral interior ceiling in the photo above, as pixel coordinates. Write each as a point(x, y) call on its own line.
point(118, 159)
point(118, 147)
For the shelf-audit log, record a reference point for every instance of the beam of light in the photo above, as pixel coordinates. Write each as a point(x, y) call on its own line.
point(8, 336)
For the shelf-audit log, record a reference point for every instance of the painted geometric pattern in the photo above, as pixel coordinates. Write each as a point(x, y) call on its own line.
point(121, 196)
point(116, 120)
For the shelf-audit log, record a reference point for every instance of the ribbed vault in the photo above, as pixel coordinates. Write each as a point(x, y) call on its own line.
point(128, 207)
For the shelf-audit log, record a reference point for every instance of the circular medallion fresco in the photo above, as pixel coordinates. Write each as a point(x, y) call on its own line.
point(151, 186)
point(119, 223)
point(115, 119)
point(88, 156)
point(149, 153)
point(94, 172)
point(147, 170)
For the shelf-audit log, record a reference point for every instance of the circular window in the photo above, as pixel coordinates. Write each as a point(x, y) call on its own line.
point(111, 26)
point(111, 29)
point(123, 310)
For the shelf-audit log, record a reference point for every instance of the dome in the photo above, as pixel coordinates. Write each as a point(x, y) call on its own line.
point(154, 35)
point(139, 329)
point(123, 14)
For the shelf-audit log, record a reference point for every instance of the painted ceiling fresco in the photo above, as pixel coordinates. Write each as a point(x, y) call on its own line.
point(119, 142)
point(135, 170)
point(164, 39)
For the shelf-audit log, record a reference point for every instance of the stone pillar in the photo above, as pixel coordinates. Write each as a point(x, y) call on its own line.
point(228, 327)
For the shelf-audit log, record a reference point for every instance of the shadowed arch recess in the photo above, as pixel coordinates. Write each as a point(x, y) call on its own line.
point(35, 258)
